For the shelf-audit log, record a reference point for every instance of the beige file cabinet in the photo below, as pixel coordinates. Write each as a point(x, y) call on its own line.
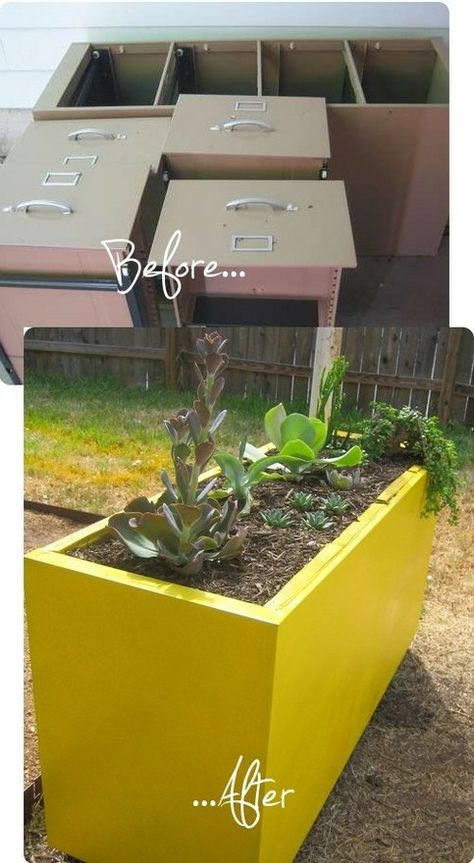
point(273, 239)
point(77, 146)
point(227, 137)
point(53, 269)
point(106, 81)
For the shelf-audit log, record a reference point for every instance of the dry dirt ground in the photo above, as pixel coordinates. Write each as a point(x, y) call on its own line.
point(405, 794)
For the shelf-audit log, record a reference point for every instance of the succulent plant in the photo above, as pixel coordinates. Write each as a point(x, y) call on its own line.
point(334, 504)
point(317, 521)
point(343, 481)
point(299, 440)
point(301, 500)
point(277, 518)
point(182, 536)
point(186, 526)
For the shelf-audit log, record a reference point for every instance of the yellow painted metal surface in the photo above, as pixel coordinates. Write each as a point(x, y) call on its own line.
point(147, 693)
point(340, 642)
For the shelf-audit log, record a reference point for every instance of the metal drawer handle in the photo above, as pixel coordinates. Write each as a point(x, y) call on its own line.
point(26, 206)
point(270, 202)
point(96, 133)
point(235, 124)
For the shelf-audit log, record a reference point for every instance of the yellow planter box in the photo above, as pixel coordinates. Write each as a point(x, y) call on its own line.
point(148, 694)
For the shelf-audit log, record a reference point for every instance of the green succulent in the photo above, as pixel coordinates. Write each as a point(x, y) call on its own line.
point(343, 481)
point(277, 518)
point(301, 500)
point(317, 521)
point(299, 440)
point(334, 504)
point(186, 526)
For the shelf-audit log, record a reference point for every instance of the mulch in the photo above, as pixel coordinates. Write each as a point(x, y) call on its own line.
point(271, 556)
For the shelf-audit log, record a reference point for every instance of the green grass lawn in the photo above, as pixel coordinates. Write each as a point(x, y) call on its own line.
point(93, 445)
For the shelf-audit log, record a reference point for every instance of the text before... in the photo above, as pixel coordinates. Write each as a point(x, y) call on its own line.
point(129, 269)
point(246, 795)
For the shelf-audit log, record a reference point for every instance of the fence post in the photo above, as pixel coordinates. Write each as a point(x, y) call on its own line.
point(448, 381)
point(327, 348)
point(170, 357)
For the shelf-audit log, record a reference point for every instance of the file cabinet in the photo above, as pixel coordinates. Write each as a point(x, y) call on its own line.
point(248, 137)
point(280, 239)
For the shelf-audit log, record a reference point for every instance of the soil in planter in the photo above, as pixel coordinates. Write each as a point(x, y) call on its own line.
point(271, 556)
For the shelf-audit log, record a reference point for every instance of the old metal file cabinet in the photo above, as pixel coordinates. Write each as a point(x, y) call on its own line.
point(281, 239)
point(77, 146)
point(392, 149)
point(106, 81)
point(53, 268)
point(240, 136)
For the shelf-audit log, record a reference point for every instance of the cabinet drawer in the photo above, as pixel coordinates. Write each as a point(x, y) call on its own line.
point(53, 223)
point(77, 146)
point(260, 223)
point(237, 136)
point(266, 239)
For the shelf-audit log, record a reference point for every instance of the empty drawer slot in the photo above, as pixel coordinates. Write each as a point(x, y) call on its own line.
point(212, 68)
point(405, 71)
point(120, 75)
point(306, 69)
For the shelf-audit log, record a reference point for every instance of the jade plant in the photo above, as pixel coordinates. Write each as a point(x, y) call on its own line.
point(187, 526)
point(392, 431)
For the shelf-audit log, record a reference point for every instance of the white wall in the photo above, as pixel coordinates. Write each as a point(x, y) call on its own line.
point(34, 36)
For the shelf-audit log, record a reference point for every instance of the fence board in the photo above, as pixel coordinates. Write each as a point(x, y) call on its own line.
point(352, 347)
point(397, 365)
point(462, 406)
point(388, 359)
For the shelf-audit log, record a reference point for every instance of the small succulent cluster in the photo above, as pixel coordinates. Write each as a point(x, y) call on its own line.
point(277, 518)
point(187, 526)
point(333, 506)
point(302, 500)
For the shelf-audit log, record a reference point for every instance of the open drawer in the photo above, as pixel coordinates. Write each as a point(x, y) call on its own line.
point(106, 81)
point(54, 269)
point(77, 146)
point(273, 239)
point(240, 136)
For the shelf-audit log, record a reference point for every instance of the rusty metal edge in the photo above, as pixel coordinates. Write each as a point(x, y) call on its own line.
point(74, 514)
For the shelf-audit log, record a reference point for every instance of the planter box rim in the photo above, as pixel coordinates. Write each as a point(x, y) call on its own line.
point(318, 568)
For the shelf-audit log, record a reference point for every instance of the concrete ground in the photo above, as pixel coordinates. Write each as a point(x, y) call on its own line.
point(404, 291)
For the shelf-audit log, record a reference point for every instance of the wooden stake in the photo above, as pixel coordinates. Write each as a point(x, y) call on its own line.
point(327, 348)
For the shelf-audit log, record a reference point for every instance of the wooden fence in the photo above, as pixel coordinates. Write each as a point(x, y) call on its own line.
point(431, 369)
